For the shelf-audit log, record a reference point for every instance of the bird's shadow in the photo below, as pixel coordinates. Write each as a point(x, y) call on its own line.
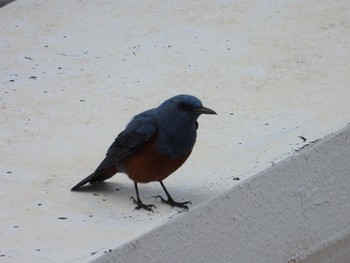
point(101, 187)
point(114, 190)
point(124, 191)
point(120, 190)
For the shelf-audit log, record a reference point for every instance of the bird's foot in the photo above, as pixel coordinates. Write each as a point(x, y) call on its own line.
point(142, 205)
point(172, 203)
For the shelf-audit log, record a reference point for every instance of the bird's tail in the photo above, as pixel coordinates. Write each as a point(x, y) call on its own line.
point(85, 181)
point(97, 176)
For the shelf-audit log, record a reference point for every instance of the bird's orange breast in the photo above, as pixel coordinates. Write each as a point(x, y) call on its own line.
point(146, 165)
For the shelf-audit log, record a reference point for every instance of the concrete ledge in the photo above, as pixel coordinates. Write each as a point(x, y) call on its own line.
point(334, 249)
point(295, 211)
point(75, 72)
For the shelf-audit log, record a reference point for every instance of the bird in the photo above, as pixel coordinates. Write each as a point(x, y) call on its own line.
point(154, 144)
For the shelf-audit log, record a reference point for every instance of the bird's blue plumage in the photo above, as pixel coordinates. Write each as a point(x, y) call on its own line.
point(177, 125)
point(172, 120)
point(154, 144)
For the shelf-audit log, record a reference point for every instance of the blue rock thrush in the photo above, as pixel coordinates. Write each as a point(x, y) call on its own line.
point(153, 145)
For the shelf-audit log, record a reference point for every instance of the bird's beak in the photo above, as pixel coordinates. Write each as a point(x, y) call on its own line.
point(204, 110)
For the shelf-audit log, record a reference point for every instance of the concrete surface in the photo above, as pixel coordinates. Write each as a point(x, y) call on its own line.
point(73, 73)
point(297, 211)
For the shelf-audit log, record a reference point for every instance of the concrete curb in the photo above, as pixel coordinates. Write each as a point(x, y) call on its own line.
point(295, 211)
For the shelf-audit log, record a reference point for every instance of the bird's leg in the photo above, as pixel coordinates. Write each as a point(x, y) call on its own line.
point(138, 201)
point(170, 200)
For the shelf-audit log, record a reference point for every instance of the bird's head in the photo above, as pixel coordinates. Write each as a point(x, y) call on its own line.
point(182, 109)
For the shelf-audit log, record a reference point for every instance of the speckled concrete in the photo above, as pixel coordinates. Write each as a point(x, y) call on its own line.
point(73, 73)
point(297, 211)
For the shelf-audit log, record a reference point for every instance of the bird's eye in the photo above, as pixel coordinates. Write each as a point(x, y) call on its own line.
point(183, 106)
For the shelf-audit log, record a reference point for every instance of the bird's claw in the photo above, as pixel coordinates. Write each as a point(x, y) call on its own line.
point(173, 203)
point(142, 205)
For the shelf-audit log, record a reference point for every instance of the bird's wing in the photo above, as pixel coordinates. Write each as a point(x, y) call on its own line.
point(138, 131)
